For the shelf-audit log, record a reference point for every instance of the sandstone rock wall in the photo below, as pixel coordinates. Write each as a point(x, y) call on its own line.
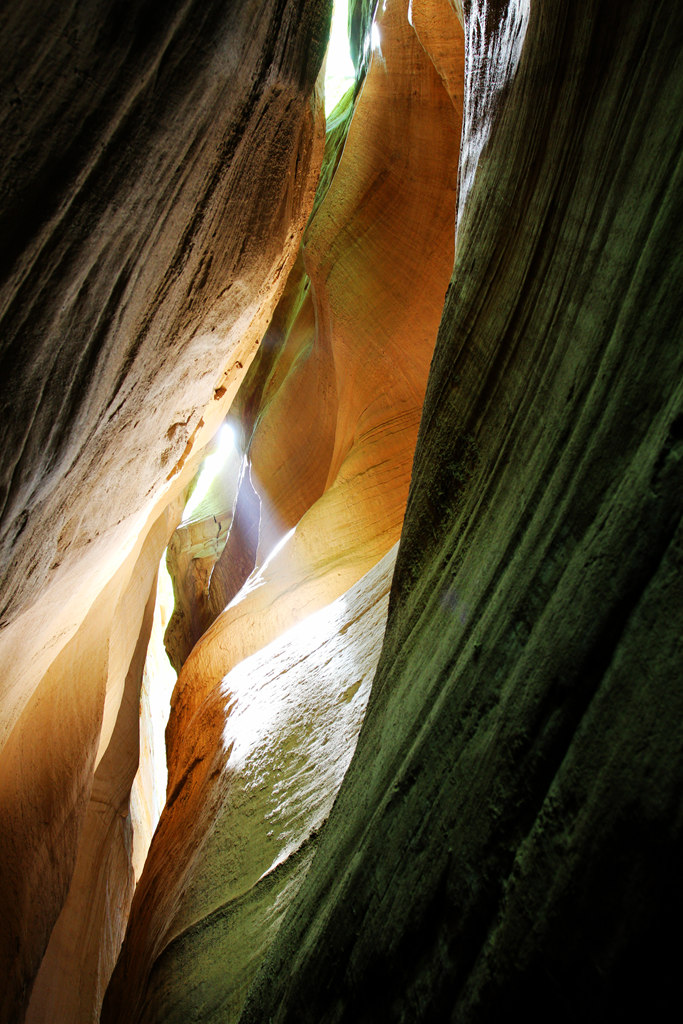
point(267, 753)
point(159, 166)
point(86, 939)
point(332, 411)
point(507, 839)
point(334, 432)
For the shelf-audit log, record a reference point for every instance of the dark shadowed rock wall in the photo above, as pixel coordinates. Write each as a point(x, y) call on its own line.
point(143, 213)
point(508, 837)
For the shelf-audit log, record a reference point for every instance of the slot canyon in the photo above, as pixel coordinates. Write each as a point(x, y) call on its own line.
point(391, 386)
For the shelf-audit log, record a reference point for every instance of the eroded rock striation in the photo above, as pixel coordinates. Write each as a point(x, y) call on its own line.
point(331, 412)
point(159, 168)
point(334, 432)
point(506, 836)
point(267, 754)
point(506, 839)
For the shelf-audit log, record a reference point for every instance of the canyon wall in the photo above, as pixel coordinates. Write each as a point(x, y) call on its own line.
point(261, 764)
point(159, 168)
point(478, 812)
point(507, 839)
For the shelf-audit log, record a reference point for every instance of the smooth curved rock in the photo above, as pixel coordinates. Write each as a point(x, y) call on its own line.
point(159, 168)
point(272, 745)
point(87, 936)
point(334, 417)
point(180, 325)
point(357, 354)
point(283, 435)
point(507, 839)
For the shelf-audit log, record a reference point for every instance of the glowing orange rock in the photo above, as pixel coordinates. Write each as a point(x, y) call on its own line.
point(379, 254)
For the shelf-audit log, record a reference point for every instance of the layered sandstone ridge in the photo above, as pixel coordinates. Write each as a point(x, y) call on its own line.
point(268, 752)
point(159, 168)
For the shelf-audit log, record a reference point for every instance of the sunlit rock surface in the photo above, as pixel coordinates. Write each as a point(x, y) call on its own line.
point(159, 166)
point(507, 840)
point(336, 421)
point(86, 938)
point(333, 420)
point(148, 792)
point(266, 758)
point(196, 546)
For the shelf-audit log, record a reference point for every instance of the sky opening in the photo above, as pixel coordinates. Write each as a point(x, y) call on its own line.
point(225, 450)
point(340, 73)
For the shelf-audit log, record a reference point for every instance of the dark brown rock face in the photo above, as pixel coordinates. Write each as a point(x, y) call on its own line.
point(137, 148)
point(159, 165)
point(508, 836)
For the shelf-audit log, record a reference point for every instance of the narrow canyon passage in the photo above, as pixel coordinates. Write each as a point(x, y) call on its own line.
point(424, 750)
point(335, 412)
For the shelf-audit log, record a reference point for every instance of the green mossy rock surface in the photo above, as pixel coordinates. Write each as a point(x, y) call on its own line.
point(508, 836)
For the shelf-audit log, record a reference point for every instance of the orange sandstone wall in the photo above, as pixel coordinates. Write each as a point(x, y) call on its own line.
point(333, 430)
point(363, 341)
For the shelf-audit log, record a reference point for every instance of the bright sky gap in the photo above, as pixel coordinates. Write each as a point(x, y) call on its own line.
point(340, 72)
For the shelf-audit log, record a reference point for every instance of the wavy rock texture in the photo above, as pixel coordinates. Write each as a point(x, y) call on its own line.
point(335, 418)
point(271, 748)
point(205, 581)
point(159, 167)
point(336, 421)
point(86, 939)
point(62, 786)
point(507, 839)
point(331, 406)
